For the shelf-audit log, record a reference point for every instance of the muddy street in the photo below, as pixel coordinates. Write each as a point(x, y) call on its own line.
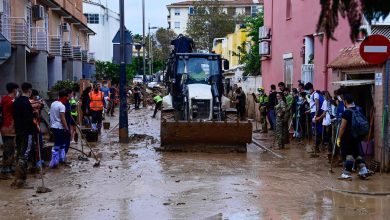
point(135, 181)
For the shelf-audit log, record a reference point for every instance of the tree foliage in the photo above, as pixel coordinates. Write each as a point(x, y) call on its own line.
point(353, 11)
point(208, 22)
point(251, 58)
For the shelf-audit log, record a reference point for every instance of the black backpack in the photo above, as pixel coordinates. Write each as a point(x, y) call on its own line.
point(360, 126)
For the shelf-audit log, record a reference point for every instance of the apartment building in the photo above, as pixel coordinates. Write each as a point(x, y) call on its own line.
point(180, 12)
point(291, 49)
point(50, 42)
point(105, 23)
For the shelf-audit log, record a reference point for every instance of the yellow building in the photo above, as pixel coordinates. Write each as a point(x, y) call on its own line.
point(229, 46)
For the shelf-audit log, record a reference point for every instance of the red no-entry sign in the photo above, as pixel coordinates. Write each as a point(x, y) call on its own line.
point(375, 49)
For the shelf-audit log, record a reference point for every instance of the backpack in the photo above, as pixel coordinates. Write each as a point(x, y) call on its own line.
point(360, 126)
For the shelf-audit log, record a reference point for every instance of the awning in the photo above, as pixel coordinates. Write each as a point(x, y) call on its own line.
point(354, 82)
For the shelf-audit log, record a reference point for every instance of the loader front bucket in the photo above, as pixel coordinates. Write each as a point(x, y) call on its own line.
point(205, 136)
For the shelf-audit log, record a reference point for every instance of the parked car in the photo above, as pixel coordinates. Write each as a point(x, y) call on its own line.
point(138, 79)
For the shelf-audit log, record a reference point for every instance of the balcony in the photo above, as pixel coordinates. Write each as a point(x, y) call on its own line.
point(307, 71)
point(67, 50)
point(55, 45)
point(16, 30)
point(39, 38)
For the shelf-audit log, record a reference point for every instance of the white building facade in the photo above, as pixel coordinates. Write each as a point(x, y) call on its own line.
point(180, 12)
point(105, 23)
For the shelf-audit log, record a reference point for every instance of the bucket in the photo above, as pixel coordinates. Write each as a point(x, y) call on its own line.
point(368, 147)
point(90, 135)
point(106, 125)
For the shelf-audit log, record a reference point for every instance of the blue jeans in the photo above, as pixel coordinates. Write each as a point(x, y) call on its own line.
point(272, 118)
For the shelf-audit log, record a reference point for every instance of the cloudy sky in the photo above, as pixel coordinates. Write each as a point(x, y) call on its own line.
point(156, 13)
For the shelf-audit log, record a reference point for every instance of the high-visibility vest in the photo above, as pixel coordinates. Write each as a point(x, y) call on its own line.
point(73, 106)
point(96, 101)
point(157, 99)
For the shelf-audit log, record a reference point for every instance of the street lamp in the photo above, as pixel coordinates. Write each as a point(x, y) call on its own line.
point(150, 55)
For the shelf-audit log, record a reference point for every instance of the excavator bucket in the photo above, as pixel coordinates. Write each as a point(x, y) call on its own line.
point(205, 136)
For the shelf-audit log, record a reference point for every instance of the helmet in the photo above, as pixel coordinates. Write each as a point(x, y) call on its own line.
point(260, 89)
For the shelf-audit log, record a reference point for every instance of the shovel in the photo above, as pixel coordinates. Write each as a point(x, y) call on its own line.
point(42, 188)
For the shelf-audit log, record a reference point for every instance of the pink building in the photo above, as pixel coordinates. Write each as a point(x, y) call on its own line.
point(292, 49)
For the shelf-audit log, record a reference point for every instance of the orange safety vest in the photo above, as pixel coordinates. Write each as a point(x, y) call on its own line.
point(96, 101)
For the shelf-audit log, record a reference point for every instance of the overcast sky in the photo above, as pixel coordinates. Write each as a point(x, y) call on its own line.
point(155, 12)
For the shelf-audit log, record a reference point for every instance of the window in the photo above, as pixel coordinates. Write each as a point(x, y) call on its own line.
point(177, 25)
point(255, 10)
point(177, 11)
point(247, 10)
point(92, 18)
point(288, 9)
point(288, 72)
point(191, 10)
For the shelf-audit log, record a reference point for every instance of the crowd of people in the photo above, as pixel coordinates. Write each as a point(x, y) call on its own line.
point(21, 119)
point(315, 115)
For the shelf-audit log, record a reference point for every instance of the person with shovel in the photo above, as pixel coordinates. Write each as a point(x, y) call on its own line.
point(280, 110)
point(96, 105)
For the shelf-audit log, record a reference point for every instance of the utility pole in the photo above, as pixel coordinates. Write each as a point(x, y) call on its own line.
point(123, 117)
point(143, 38)
point(150, 52)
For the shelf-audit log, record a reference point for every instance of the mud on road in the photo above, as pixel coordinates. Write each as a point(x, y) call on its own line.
point(135, 181)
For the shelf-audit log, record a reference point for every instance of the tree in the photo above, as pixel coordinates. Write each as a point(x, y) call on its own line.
point(164, 38)
point(353, 10)
point(209, 22)
point(251, 59)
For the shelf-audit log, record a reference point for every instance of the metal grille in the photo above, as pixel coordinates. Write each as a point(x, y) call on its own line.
point(203, 108)
point(381, 29)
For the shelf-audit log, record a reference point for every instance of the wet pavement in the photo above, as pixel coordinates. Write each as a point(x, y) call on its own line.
point(134, 181)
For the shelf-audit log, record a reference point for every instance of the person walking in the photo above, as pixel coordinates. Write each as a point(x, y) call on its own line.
point(106, 93)
point(96, 105)
point(272, 102)
point(85, 106)
point(137, 96)
point(326, 119)
point(24, 128)
point(59, 127)
point(287, 115)
point(349, 140)
point(7, 129)
point(158, 100)
point(280, 110)
point(263, 103)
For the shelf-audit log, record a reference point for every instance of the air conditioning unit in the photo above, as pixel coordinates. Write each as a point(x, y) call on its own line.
point(38, 12)
point(265, 48)
point(65, 27)
point(264, 32)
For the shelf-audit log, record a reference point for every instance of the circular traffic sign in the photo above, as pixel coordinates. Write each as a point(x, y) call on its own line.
point(375, 49)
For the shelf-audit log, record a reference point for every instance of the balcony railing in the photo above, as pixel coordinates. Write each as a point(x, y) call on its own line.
point(67, 50)
point(55, 45)
point(39, 38)
point(307, 71)
point(91, 57)
point(77, 53)
point(16, 30)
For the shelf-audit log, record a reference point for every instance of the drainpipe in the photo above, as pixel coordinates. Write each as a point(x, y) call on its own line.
point(385, 127)
point(326, 60)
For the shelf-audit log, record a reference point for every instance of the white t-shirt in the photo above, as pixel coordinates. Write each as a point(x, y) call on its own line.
point(326, 107)
point(312, 101)
point(55, 109)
